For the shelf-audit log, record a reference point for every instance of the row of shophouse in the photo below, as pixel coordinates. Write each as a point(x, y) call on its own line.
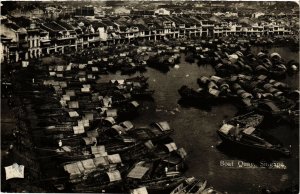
point(22, 38)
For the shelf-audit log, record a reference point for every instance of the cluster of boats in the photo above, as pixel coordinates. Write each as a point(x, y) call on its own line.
point(82, 129)
point(251, 84)
point(272, 98)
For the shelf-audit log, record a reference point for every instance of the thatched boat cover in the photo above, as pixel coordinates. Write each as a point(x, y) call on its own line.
point(272, 106)
point(78, 168)
point(111, 120)
point(86, 85)
point(78, 129)
point(226, 128)
point(85, 90)
point(249, 130)
point(119, 129)
point(114, 159)
point(82, 79)
point(83, 122)
point(88, 164)
point(262, 77)
point(99, 150)
point(275, 55)
point(171, 146)
point(114, 176)
point(89, 140)
point(100, 161)
point(135, 103)
point(137, 172)
point(141, 190)
point(14, 171)
point(164, 126)
point(111, 113)
point(214, 92)
point(66, 97)
point(127, 125)
point(52, 73)
point(73, 114)
point(64, 149)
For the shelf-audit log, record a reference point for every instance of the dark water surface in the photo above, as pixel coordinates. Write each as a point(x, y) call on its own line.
point(195, 130)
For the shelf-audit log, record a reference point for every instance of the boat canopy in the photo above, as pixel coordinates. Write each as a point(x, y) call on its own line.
point(86, 85)
point(66, 97)
point(14, 171)
point(267, 86)
point(204, 79)
point(127, 125)
point(275, 55)
point(83, 122)
point(88, 164)
point(249, 130)
point(119, 129)
point(89, 140)
point(212, 84)
point(59, 68)
point(262, 77)
point(214, 92)
point(114, 176)
point(114, 159)
point(137, 172)
point(135, 103)
point(215, 78)
point(100, 161)
point(226, 128)
point(111, 120)
point(78, 129)
point(85, 90)
point(272, 106)
point(99, 150)
point(64, 149)
point(141, 190)
point(111, 113)
point(246, 95)
point(95, 69)
point(261, 54)
point(171, 146)
point(163, 125)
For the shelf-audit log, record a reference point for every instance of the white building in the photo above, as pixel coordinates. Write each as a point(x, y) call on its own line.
point(161, 11)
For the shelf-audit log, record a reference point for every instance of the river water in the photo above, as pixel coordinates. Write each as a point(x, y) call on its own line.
point(195, 130)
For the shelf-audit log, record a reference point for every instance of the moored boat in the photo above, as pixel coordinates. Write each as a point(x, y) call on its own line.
point(252, 139)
